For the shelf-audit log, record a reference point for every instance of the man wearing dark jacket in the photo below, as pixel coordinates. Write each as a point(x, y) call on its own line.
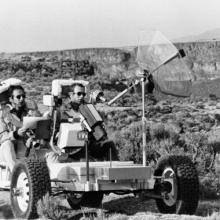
point(99, 150)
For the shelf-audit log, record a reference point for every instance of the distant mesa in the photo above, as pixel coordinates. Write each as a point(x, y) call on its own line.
point(210, 35)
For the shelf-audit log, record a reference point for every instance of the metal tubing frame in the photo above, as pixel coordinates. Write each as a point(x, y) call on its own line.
point(143, 121)
point(87, 162)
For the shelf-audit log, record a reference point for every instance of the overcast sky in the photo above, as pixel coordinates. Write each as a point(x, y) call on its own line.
point(36, 25)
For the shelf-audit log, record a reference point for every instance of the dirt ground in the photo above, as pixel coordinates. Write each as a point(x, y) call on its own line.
point(114, 205)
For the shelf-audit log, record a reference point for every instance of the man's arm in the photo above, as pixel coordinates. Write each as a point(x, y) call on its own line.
point(6, 132)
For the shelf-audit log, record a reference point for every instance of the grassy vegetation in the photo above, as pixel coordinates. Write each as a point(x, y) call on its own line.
point(122, 208)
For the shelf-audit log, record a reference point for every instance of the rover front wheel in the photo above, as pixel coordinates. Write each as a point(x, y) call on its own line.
point(30, 181)
point(180, 185)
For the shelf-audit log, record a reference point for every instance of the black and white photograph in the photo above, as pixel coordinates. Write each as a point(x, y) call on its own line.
point(110, 109)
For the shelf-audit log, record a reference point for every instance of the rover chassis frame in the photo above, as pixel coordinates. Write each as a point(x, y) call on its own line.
point(105, 177)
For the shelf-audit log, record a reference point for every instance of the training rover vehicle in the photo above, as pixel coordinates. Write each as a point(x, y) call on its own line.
point(173, 183)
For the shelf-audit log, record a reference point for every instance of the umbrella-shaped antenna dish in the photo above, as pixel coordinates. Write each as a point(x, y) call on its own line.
point(160, 57)
point(154, 50)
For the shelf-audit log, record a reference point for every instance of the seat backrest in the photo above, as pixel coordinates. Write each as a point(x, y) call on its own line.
point(60, 87)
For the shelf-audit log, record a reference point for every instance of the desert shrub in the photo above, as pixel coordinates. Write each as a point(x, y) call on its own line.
point(159, 132)
point(217, 118)
point(165, 139)
point(209, 186)
point(28, 79)
point(200, 147)
point(34, 93)
point(199, 150)
point(82, 67)
point(128, 142)
point(214, 140)
point(19, 73)
point(160, 140)
point(39, 88)
point(50, 208)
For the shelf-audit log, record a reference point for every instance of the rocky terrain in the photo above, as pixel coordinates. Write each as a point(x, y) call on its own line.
point(202, 58)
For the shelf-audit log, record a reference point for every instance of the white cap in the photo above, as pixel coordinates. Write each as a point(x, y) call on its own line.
point(4, 85)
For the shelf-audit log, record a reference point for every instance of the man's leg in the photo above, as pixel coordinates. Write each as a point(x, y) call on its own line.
point(20, 149)
point(52, 157)
point(101, 150)
point(108, 146)
point(7, 154)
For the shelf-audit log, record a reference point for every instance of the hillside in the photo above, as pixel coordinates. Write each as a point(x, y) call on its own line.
point(107, 67)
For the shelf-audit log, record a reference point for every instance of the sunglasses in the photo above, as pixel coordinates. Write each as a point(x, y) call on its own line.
point(79, 93)
point(20, 96)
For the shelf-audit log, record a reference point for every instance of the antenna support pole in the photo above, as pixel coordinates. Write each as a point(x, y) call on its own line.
point(143, 79)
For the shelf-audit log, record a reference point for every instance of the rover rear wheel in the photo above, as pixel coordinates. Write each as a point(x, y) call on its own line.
point(181, 192)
